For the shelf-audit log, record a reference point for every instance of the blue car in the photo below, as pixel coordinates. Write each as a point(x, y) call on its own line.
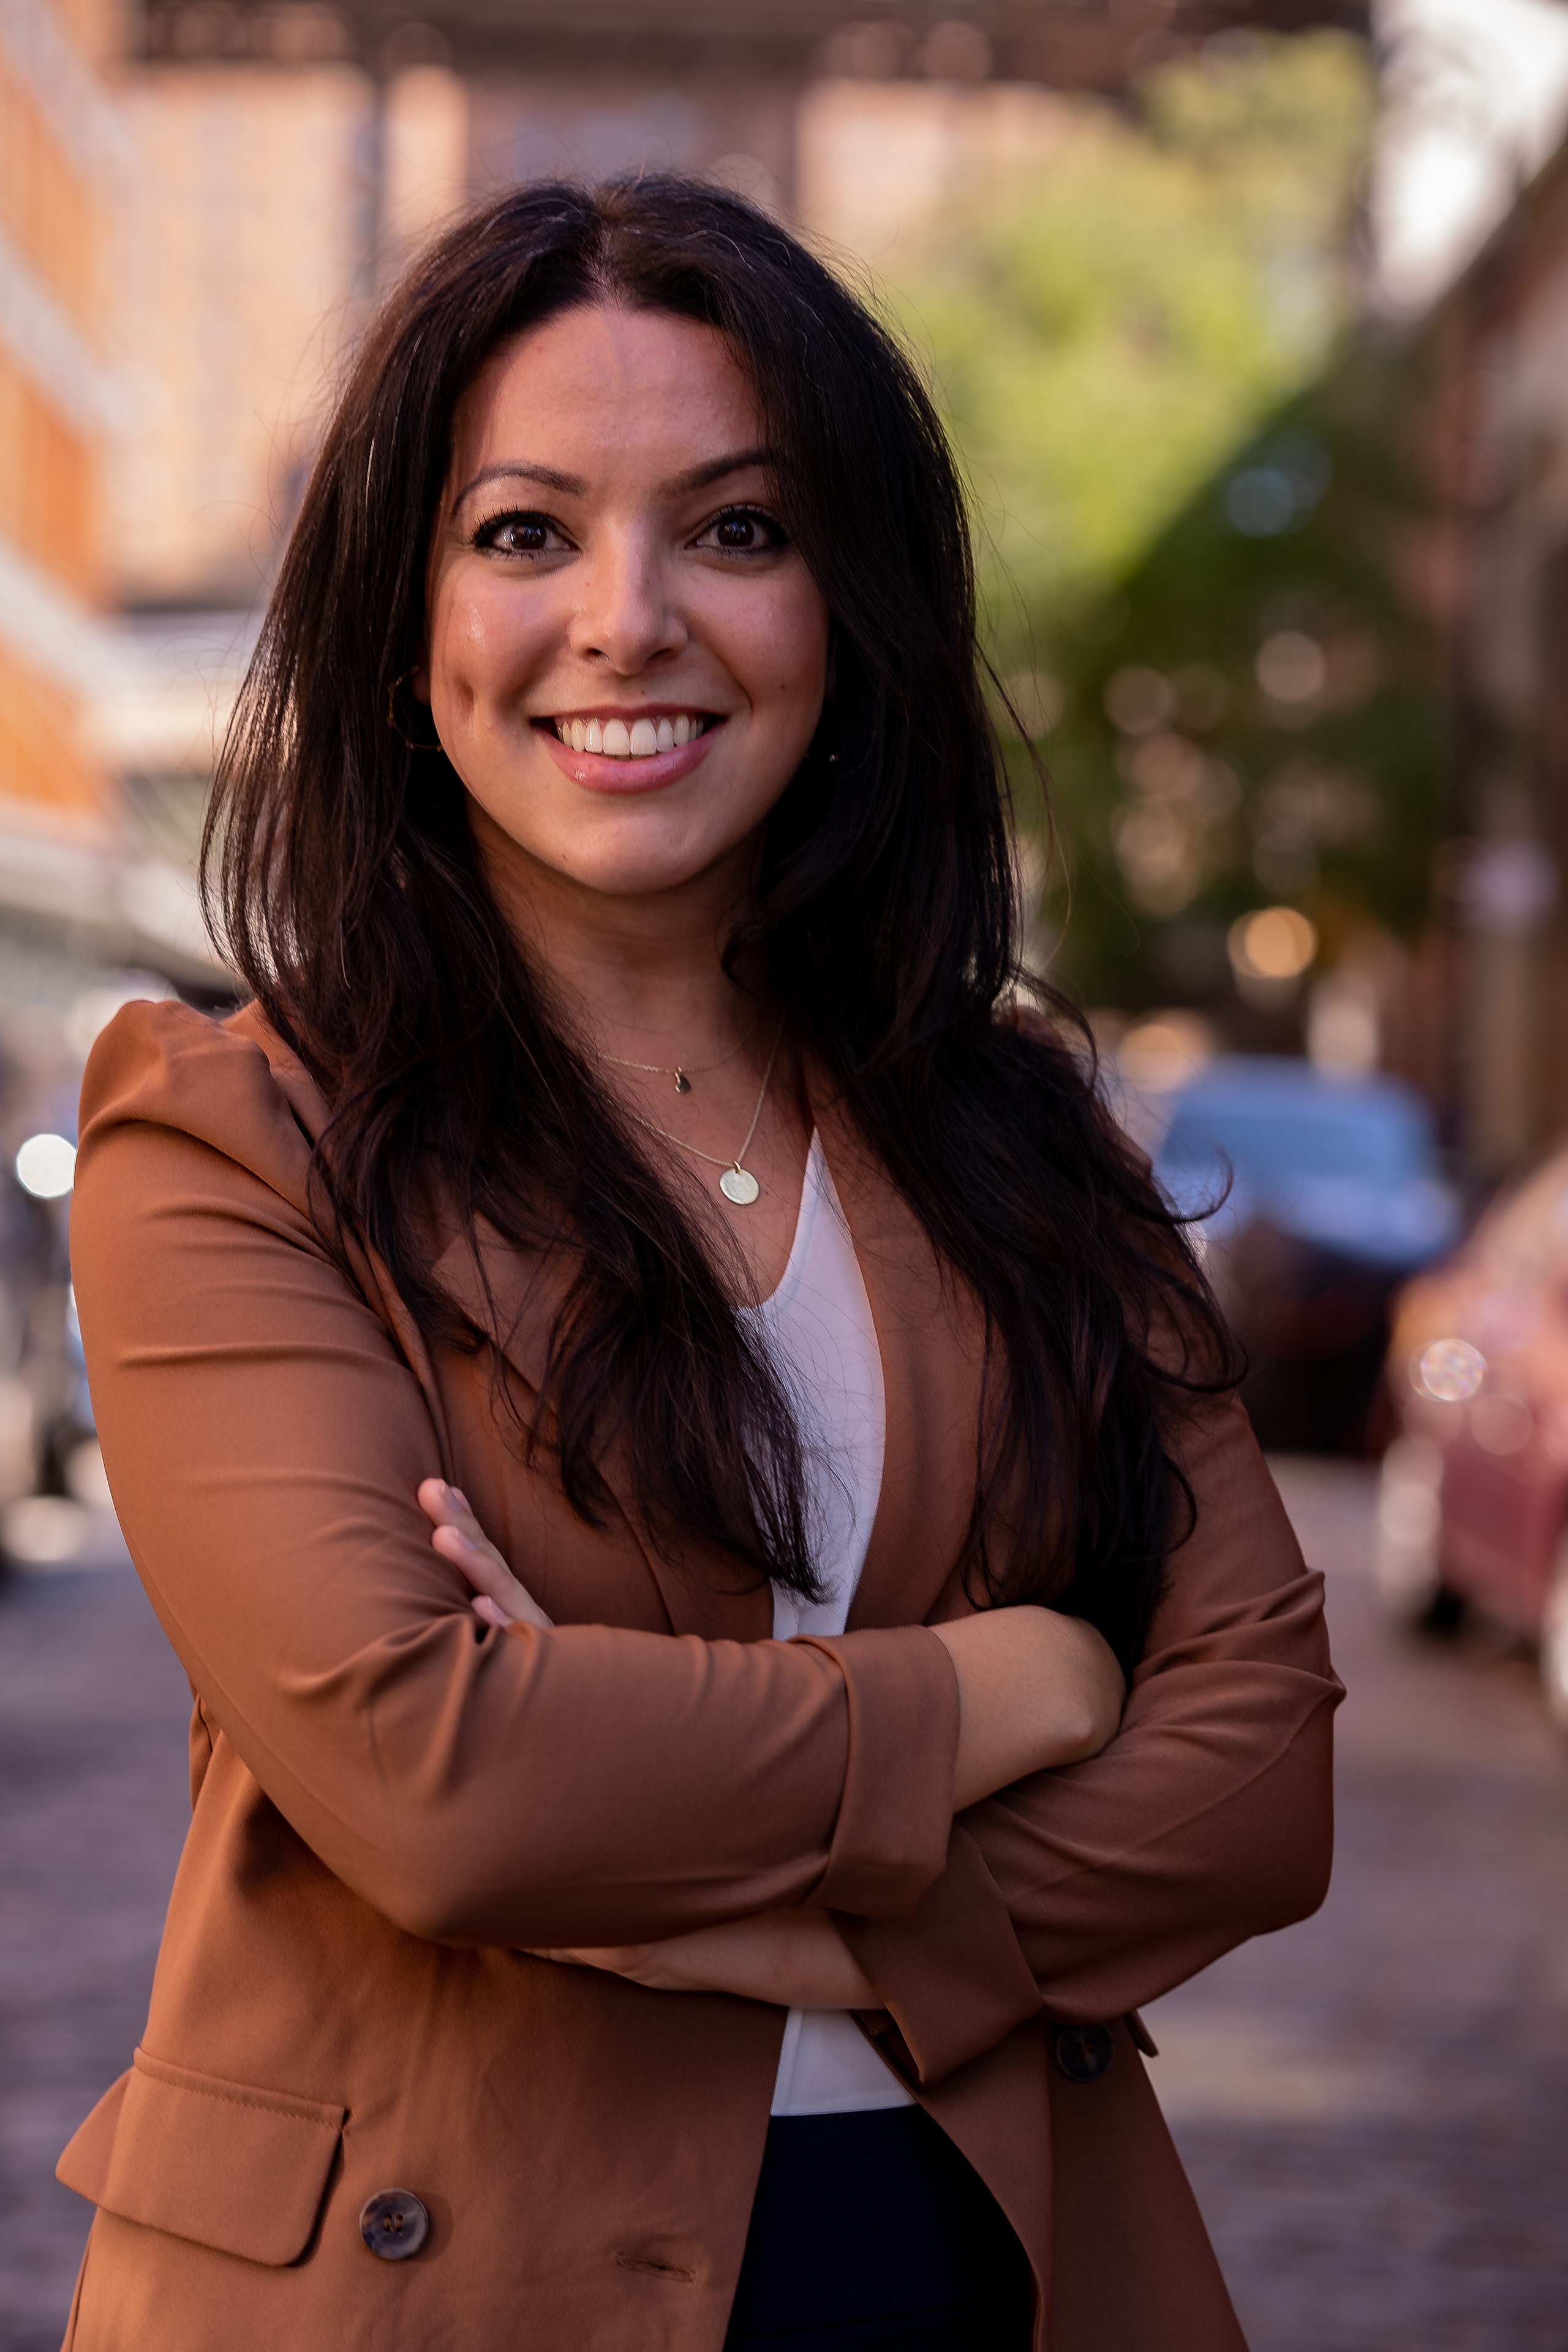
point(1334, 1197)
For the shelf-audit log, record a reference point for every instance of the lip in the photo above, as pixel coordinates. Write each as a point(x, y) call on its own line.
point(633, 711)
point(598, 773)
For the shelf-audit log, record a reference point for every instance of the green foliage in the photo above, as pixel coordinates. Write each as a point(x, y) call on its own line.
point(1182, 464)
point(1297, 753)
point(1105, 325)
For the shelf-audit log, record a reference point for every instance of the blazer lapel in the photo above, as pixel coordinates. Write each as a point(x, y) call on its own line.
point(927, 1330)
point(519, 1295)
point(931, 1337)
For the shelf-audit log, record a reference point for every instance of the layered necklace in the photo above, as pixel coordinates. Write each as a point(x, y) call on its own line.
point(679, 1070)
point(737, 1183)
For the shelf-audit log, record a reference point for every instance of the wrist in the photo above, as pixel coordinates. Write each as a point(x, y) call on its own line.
point(1036, 1689)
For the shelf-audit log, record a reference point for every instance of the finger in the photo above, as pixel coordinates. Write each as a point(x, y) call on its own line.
point(493, 1580)
point(448, 1506)
point(458, 1536)
point(478, 1559)
point(482, 1565)
point(491, 1612)
point(616, 1959)
point(460, 1540)
point(435, 1498)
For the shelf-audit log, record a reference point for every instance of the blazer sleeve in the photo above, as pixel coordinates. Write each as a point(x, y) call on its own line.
point(1090, 1890)
point(263, 1437)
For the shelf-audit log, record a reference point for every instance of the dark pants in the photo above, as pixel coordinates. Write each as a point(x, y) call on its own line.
point(871, 2233)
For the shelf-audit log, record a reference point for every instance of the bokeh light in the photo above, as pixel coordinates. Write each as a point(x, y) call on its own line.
point(45, 1167)
point(1277, 944)
point(1450, 1370)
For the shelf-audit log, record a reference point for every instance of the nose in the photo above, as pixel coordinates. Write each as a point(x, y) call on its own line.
point(627, 616)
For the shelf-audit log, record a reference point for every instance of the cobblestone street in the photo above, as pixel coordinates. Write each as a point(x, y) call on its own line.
point(1371, 2106)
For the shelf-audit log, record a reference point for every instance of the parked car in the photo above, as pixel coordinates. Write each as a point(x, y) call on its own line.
point(1473, 1505)
point(1335, 1197)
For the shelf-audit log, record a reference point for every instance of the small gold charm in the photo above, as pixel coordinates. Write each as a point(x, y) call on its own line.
point(682, 1083)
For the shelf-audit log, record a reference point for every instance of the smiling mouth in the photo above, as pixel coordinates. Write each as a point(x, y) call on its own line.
point(642, 739)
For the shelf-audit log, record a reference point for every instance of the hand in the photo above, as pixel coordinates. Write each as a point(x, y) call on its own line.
point(1035, 1689)
point(499, 1598)
point(795, 1959)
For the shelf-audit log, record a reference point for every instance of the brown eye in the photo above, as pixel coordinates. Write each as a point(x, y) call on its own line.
point(519, 534)
point(744, 530)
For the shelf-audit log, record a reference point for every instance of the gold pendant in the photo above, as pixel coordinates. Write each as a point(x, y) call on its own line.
point(738, 1184)
point(682, 1083)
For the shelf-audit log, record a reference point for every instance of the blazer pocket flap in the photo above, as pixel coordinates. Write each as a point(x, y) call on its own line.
point(240, 2170)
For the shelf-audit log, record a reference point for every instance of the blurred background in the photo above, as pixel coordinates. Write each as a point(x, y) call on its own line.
point(1251, 325)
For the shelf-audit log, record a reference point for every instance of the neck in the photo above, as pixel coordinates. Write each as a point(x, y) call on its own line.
point(633, 975)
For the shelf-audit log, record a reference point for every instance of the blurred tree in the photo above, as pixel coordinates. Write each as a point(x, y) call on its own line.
point(1108, 322)
point(1264, 725)
point(1192, 520)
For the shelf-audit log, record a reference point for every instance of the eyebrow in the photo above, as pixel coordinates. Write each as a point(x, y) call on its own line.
point(699, 478)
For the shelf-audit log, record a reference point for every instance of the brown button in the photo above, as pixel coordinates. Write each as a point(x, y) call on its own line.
point(394, 2224)
point(1084, 2051)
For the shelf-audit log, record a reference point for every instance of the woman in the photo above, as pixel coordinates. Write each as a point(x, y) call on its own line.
point(656, 1414)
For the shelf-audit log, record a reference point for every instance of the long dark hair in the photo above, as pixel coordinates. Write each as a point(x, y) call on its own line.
point(341, 875)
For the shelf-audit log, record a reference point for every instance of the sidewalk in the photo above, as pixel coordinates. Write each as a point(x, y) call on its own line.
point(1373, 2106)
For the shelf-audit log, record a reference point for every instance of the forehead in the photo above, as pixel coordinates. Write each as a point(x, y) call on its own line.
point(606, 387)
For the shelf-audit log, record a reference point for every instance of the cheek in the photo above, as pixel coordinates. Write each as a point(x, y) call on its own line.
point(481, 639)
point(787, 649)
point(455, 642)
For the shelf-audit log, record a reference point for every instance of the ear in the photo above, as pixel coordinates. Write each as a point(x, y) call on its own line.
point(419, 683)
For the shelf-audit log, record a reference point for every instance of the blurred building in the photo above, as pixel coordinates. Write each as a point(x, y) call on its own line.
point(238, 252)
point(89, 874)
point(1496, 574)
point(712, 49)
point(288, 158)
point(58, 144)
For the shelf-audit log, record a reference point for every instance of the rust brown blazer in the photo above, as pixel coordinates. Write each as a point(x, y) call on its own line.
point(389, 1799)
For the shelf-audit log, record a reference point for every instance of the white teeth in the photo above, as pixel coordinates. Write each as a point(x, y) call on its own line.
point(641, 741)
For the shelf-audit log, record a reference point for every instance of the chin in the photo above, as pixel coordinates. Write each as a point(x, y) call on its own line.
point(639, 875)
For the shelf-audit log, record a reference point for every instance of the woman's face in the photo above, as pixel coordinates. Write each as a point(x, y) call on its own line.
point(626, 657)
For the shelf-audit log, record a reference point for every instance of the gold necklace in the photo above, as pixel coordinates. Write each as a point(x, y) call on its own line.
point(737, 1183)
point(679, 1071)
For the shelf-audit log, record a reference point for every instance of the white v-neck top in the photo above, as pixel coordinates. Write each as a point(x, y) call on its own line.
point(818, 1332)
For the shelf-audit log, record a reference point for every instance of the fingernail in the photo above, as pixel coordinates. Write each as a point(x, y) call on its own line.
point(458, 1497)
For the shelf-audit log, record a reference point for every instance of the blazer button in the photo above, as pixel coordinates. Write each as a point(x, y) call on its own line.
point(1084, 2051)
point(394, 2224)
